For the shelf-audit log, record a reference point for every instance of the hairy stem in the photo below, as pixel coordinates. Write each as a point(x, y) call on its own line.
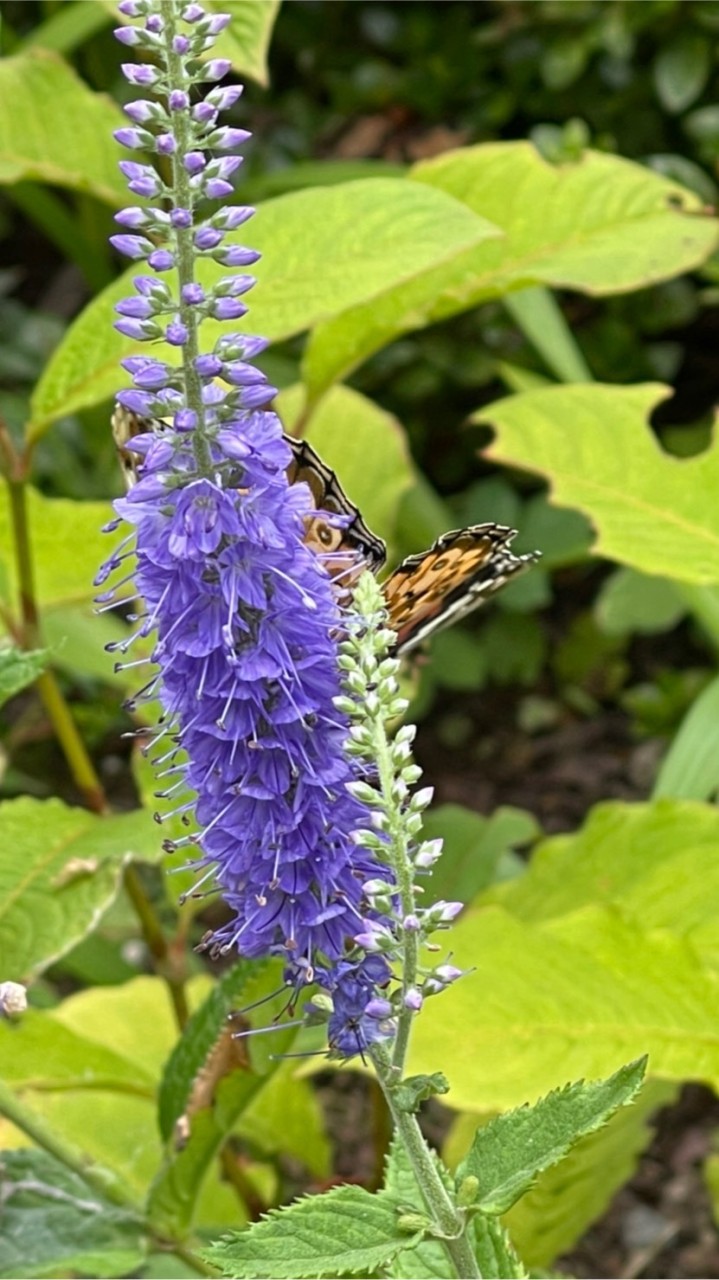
point(448, 1220)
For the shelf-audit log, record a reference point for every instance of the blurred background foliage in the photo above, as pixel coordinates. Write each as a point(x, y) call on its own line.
point(568, 691)
point(361, 87)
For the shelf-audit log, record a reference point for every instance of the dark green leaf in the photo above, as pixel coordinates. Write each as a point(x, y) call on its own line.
point(681, 70)
point(347, 1231)
point(196, 1042)
point(54, 1223)
point(509, 1152)
point(417, 1089)
point(18, 669)
point(473, 847)
point(690, 769)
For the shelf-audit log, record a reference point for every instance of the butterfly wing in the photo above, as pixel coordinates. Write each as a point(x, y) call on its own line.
point(438, 587)
point(349, 533)
point(345, 544)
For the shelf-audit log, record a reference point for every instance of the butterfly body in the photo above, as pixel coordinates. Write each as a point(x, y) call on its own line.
point(426, 592)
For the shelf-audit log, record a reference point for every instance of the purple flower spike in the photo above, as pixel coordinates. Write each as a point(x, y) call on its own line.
point(245, 615)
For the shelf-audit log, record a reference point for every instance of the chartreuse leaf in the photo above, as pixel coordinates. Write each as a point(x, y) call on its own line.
point(18, 669)
point(656, 863)
point(516, 1026)
point(364, 444)
point(247, 38)
point(59, 870)
point(56, 130)
point(323, 249)
point(651, 510)
point(346, 1231)
point(41, 1052)
point(111, 1115)
point(509, 1152)
point(690, 769)
point(68, 547)
point(55, 1224)
point(602, 225)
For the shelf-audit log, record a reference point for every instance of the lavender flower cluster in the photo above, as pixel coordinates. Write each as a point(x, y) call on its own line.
point(246, 616)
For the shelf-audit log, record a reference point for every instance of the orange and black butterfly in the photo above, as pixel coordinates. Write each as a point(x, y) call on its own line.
point(427, 591)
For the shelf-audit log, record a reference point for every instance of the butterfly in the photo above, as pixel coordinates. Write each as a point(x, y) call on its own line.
point(427, 591)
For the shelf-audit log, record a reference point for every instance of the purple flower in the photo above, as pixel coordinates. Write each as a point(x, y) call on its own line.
point(245, 616)
point(360, 1018)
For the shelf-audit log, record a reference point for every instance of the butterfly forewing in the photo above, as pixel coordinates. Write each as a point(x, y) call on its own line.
point(343, 540)
point(350, 534)
point(436, 588)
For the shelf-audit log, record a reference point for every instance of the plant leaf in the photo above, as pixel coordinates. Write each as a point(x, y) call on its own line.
point(568, 1198)
point(681, 70)
point(690, 769)
point(652, 511)
point(601, 225)
point(55, 130)
point(427, 1260)
point(197, 1041)
point(76, 1061)
point(247, 38)
point(509, 1152)
point(632, 601)
point(473, 847)
point(346, 1231)
point(54, 1223)
point(68, 548)
point(19, 668)
point(323, 249)
point(59, 871)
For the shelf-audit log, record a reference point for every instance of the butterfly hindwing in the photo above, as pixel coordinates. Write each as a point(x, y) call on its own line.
point(436, 588)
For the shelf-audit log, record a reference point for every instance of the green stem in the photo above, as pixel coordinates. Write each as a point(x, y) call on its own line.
point(450, 1223)
point(402, 865)
point(162, 954)
point(102, 1180)
point(184, 236)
